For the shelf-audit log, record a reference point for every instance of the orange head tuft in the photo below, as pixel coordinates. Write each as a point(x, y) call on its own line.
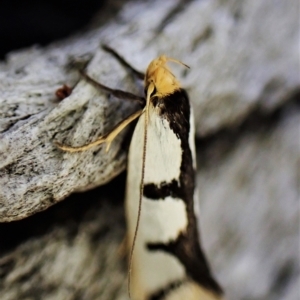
point(159, 80)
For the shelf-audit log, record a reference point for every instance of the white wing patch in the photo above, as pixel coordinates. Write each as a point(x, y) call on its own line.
point(192, 137)
point(163, 159)
point(162, 220)
point(193, 150)
point(191, 291)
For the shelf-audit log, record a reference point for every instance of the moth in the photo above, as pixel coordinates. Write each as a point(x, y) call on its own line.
point(167, 262)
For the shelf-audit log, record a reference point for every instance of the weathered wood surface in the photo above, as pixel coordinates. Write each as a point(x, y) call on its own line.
point(243, 56)
point(244, 62)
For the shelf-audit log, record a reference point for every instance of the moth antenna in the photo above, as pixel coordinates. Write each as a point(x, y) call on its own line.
point(177, 62)
point(150, 90)
point(168, 70)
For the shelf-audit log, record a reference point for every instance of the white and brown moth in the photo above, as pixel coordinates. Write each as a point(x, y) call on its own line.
point(168, 262)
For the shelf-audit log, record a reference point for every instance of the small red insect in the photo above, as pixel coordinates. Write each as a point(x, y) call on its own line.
point(63, 92)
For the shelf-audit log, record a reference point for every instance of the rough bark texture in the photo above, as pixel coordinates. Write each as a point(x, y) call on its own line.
point(244, 74)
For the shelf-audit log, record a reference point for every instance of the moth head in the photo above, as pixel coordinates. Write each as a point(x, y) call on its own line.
point(159, 80)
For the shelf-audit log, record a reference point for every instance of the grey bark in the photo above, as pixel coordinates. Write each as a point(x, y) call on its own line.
point(244, 62)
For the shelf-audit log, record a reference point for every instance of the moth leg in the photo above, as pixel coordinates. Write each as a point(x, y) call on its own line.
point(117, 93)
point(123, 62)
point(107, 138)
